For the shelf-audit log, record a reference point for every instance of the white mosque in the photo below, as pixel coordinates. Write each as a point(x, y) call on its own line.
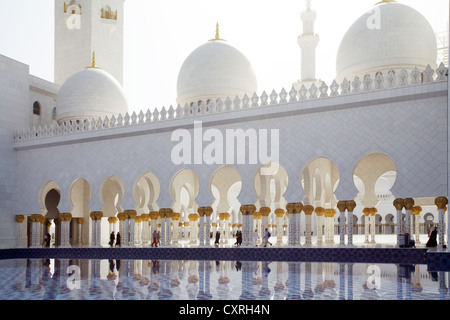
point(366, 154)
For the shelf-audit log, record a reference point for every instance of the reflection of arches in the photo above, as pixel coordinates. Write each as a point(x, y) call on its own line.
point(270, 183)
point(319, 180)
point(225, 186)
point(111, 194)
point(374, 175)
point(146, 192)
point(184, 189)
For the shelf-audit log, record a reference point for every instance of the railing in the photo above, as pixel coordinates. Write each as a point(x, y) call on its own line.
point(368, 84)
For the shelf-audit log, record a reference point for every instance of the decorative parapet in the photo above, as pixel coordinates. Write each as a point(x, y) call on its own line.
point(368, 84)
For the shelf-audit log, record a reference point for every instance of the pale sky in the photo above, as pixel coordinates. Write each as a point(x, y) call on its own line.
point(160, 34)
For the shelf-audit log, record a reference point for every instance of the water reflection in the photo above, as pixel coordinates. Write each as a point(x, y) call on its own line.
point(217, 280)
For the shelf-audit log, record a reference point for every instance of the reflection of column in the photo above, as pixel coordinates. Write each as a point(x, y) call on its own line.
point(399, 204)
point(279, 213)
point(441, 203)
point(308, 210)
point(341, 281)
point(342, 206)
point(350, 280)
point(247, 280)
point(294, 281)
point(399, 284)
point(19, 220)
point(350, 207)
point(319, 212)
point(416, 212)
point(308, 294)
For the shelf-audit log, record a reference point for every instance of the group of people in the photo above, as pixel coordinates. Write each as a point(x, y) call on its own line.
point(113, 238)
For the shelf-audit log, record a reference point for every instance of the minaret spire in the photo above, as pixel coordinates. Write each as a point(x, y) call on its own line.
point(217, 38)
point(308, 42)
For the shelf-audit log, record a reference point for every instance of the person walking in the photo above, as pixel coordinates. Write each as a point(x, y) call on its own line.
point(118, 239)
point(266, 238)
point(155, 239)
point(112, 238)
point(217, 238)
point(255, 238)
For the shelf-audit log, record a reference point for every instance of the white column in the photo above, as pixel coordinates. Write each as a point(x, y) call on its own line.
point(319, 212)
point(19, 220)
point(308, 212)
point(342, 206)
point(279, 213)
point(399, 204)
point(350, 207)
point(441, 203)
point(162, 213)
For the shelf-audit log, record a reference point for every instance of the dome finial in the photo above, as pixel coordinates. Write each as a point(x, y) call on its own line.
point(94, 64)
point(217, 38)
point(93, 60)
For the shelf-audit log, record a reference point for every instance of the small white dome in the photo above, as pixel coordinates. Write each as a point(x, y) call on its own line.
point(215, 70)
point(88, 94)
point(404, 39)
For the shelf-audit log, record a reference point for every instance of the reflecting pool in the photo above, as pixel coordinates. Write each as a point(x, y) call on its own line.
point(50, 279)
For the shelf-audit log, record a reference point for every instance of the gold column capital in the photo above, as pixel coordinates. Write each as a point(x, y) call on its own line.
point(351, 205)
point(308, 210)
point(205, 211)
point(294, 207)
point(342, 206)
point(247, 209)
point(20, 218)
point(279, 213)
point(165, 213)
point(79, 220)
point(399, 203)
point(441, 202)
point(154, 215)
point(193, 217)
point(373, 211)
point(409, 203)
point(145, 217)
point(130, 214)
point(65, 216)
point(329, 213)
point(416, 210)
point(319, 211)
point(175, 216)
point(366, 211)
point(96, 215)
point(265, 211)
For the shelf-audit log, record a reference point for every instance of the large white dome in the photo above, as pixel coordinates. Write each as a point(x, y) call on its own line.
point(403, 39)
point(215, 70)
point(88, 94)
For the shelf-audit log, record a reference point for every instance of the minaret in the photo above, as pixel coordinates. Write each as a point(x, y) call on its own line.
point(308, 42)
point(84, 26)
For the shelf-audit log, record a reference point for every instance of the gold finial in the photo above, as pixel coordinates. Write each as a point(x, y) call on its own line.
point(217, 34)
point(94, 65)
